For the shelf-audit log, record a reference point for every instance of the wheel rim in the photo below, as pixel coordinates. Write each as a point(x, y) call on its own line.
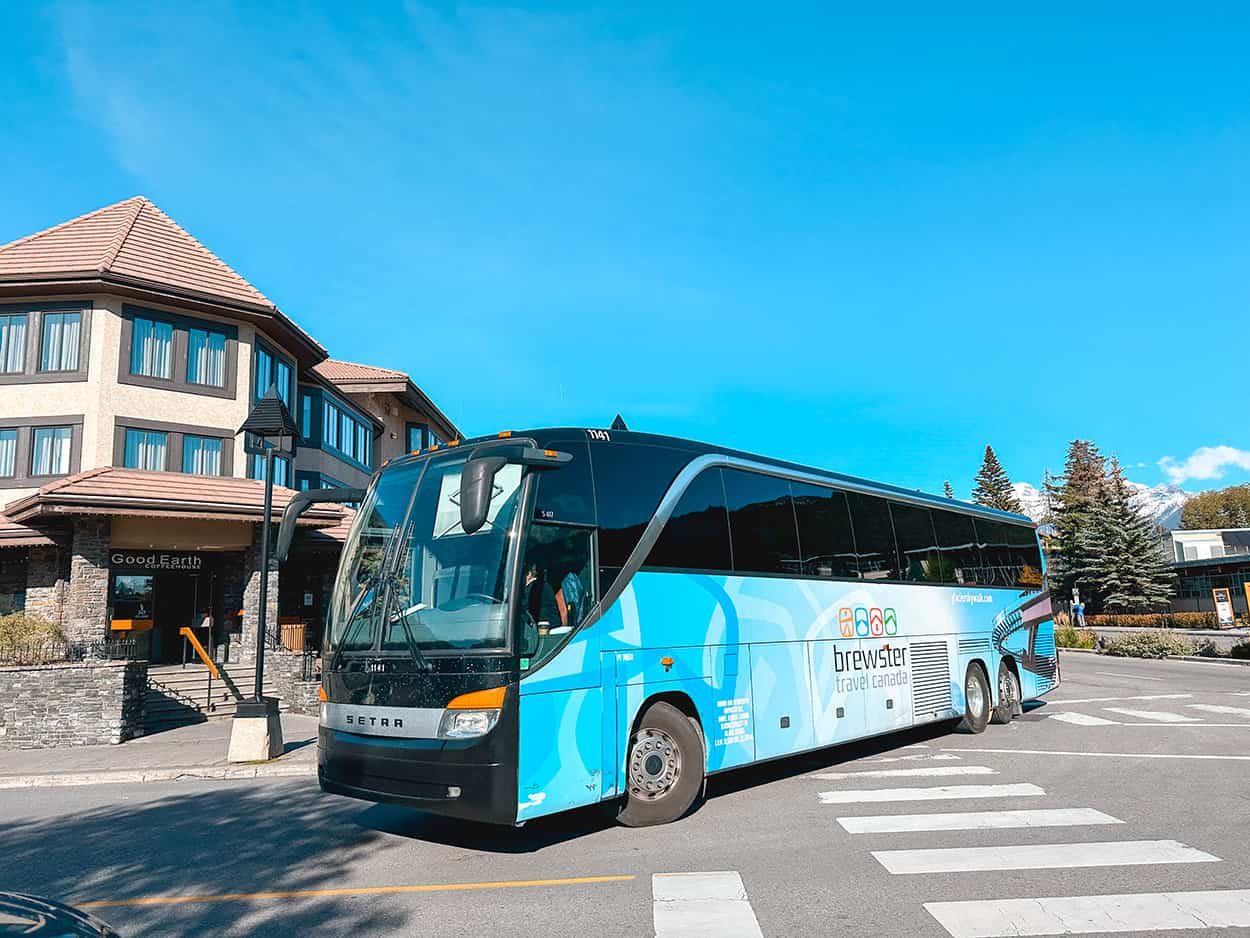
point(974, 695)
point(1007, 689)
point(654, 764)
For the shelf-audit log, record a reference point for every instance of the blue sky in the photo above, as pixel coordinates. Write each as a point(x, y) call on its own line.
point(869, 243)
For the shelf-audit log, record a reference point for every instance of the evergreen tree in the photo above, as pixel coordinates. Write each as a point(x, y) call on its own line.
point(993, 488)
point(1124, 564)
point(947, 490)
point(1073, 498)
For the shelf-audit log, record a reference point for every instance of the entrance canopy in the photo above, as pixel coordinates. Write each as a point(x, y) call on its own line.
point(134, 492)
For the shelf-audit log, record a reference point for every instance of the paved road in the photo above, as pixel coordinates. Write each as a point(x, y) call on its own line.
point(1137, 770)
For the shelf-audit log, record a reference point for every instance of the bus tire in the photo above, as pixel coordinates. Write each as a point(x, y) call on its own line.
point(1008, 695)
point(976, 699)
point(663, 769)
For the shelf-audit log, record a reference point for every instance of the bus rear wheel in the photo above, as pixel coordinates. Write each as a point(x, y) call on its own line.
point(976, 699)
point(664, 768)
point(1008, 695)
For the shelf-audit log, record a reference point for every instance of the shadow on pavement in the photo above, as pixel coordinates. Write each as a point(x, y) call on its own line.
point(229, 839)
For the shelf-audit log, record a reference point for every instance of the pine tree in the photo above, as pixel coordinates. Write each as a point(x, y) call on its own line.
point(993, 488)
point(947, 490)
point(1073, 498)
point(1124, 564)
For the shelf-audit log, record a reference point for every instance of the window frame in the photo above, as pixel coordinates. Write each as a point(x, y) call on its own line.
point(30, 372)
point(127, 431)
point(34, 435)
point(174, 441)
point(356, 422)
point(263, 345)
point(180, 351)
point(23, 460)
point(44, 320)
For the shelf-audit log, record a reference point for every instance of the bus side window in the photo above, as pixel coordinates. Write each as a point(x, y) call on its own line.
point(826, 547)
point(761, 523)
point(874, 537)
point(696, 536)
point(957, 540)
point(557, 588)
point(996, 552)
point(913, 529)
point(1027, 556)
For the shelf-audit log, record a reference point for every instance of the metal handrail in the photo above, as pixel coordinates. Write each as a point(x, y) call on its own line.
point(188, 635)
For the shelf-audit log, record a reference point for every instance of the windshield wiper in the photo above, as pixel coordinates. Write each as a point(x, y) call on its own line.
point(414, 649)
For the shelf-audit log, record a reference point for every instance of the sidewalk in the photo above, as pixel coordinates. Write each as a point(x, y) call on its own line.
point(188, 752)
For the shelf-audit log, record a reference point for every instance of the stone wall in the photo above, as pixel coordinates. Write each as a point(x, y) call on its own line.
point(283, 669)
point(85, 618)
point(87, 703)
point(251, 595)
point(45, 583)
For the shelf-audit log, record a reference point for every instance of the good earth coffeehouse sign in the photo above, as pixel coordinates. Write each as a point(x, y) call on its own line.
point(155, 560)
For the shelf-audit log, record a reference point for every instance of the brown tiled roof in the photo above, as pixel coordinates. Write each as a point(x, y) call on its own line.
point(335, 536)
point(133, 239)
point(355, 377)
point(113, 491)
point(334, 370)
point(13, 534)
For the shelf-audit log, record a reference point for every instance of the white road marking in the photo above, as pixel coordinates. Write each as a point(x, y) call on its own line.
point(1135, 677)
point(1082, 719)
point(702, 905)
point(974, 820)
point(939, 793)
point(938, 757)
point(1162, 716)
point(926, 772)
point(1039, 857)
point(1217, 708)
point(1084, 915)
point(1112, 755)
point(1084, 700)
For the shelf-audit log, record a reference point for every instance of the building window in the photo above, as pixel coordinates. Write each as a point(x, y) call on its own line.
point(12, 343)
point(151, 349)
point(59, 349)
point(305, 416)
point(271, 370)
point(50, 451)
point(346, 434)
point(201, 455)
point(206, 358)
point(417, 437)
point(145, 449)
point(281, 468)
point(8, 453)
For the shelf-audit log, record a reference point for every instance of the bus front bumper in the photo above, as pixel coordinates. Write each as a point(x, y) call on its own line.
point(470, 779)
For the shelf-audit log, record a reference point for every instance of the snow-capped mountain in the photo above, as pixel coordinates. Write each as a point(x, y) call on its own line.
point(1162, 503)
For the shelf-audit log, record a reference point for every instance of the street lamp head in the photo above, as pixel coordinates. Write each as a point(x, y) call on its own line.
point(270, 418)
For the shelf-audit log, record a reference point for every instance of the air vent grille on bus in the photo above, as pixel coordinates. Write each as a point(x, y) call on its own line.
point(1045, 655)
point(974, 646)
point(930, 678)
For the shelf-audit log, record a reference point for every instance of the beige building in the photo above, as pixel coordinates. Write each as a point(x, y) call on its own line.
point(129, 504)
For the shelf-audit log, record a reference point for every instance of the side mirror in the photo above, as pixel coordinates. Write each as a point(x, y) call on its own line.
point(477, 482)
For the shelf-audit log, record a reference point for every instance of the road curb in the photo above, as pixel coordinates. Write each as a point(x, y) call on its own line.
point(175, 774)
point(1202, 659)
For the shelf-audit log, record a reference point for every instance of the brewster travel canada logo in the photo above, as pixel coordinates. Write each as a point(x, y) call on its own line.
point(866, 622)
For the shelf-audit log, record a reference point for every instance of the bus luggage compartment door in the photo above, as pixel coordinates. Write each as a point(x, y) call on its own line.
point(781, 699)
point(839, 691)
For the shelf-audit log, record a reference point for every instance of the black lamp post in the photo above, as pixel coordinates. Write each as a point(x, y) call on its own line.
point(269, 419)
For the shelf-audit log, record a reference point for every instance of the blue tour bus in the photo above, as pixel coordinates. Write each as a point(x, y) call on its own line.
point(537, 621)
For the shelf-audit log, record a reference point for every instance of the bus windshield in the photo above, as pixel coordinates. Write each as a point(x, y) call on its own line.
point(411, 581)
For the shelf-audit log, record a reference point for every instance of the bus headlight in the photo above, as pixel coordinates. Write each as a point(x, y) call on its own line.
point(461, 724)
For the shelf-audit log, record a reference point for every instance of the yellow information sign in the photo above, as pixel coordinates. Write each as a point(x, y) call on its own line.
point(1223, 606)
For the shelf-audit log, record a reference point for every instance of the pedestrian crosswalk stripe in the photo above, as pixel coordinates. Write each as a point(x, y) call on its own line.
point(1082, 719)
point(702, 905)
point(1039, 856)
point(1162, 716)
point(938, 793)
point(928, 771)
point(974, 820)
point(918, 757)
point(1217, 708)
point(1085, 700)
point(1137, 913)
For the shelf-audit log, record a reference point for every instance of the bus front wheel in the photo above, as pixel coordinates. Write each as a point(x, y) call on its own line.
point(664, 769)
point(976, 699)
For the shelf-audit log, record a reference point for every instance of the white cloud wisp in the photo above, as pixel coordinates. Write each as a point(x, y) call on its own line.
point(1206, 462)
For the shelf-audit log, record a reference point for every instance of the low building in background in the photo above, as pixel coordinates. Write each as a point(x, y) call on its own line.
point(1208, 559)
point(129, 356)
